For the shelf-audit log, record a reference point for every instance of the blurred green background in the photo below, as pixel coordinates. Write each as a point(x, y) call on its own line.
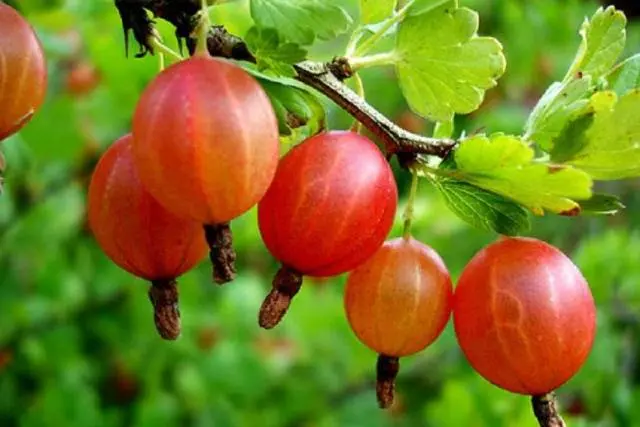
point(77, 341)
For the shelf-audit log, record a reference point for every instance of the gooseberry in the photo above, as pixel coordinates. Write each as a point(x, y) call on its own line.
point(524, 315)
point(329, 208)
point(205, 140)
point(397, 303)
point(23, 72)
point(140, 235)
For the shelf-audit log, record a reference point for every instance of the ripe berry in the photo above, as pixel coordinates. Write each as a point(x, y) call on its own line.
point(397, 303)
point(206, 145)
point(329, 208)
point(139, 235)
point(23, 72)
point(524, 316)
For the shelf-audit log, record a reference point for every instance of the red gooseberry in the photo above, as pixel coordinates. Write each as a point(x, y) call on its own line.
point(206, 145)
point(23, 72)
point(524, 316)
point(329, 208)
point(140, 235)
point(397, 303)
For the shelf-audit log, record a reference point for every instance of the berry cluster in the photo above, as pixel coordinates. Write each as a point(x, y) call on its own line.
point(204, 149)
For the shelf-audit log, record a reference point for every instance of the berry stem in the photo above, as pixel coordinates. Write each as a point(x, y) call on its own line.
point(408, 211)
point(545, 408)
point(387, 369)
point(166, 311)
point(286, 284)
point(369, 43)
point(357, 126)
point(202, 29)
point(361, 62)
point(221, 252)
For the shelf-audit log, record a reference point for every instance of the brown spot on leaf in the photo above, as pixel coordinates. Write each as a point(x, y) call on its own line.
point(294, 121)
point(572, 212)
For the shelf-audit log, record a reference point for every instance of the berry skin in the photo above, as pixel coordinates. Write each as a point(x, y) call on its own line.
point(329, 208)
point(206, 140)
point(23, 72)
point(139, 235)
point(524, 316)
point(331, 204)
point(135, 231)
point(399, 301)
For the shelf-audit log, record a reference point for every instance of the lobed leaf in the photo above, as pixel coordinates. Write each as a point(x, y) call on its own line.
point(504, 165)
point(561, 103)
point(443, 66)
point(603, 39)
point(301, 21)
point(613, 148)
point(626, 76)
point(372, 11)
point(483, 209)
point(273, 54)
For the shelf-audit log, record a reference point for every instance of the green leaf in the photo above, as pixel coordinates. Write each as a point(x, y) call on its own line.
point(483, 209)
point(572, 139)
point(443, 66)
point(424, 6)
point(301, 21)
point(296, 108)
point(626, 76)
point(560, 104)
point(613, 149)
point(272, 54)
point(504, 164)
point(601, 204)
point(603, 39)
point(372, 11)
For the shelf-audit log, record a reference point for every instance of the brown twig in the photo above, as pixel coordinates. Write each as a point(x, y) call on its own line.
point(546, 411)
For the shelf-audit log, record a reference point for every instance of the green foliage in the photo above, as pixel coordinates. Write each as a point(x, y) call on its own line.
point(271, 53)
point(503, 164)
point(612, 150)
point(301, 21)
point(603, 39)
point(297, 109)
point(483, 209)
point(372, 11)
point(443, 66)
point(626, 76)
